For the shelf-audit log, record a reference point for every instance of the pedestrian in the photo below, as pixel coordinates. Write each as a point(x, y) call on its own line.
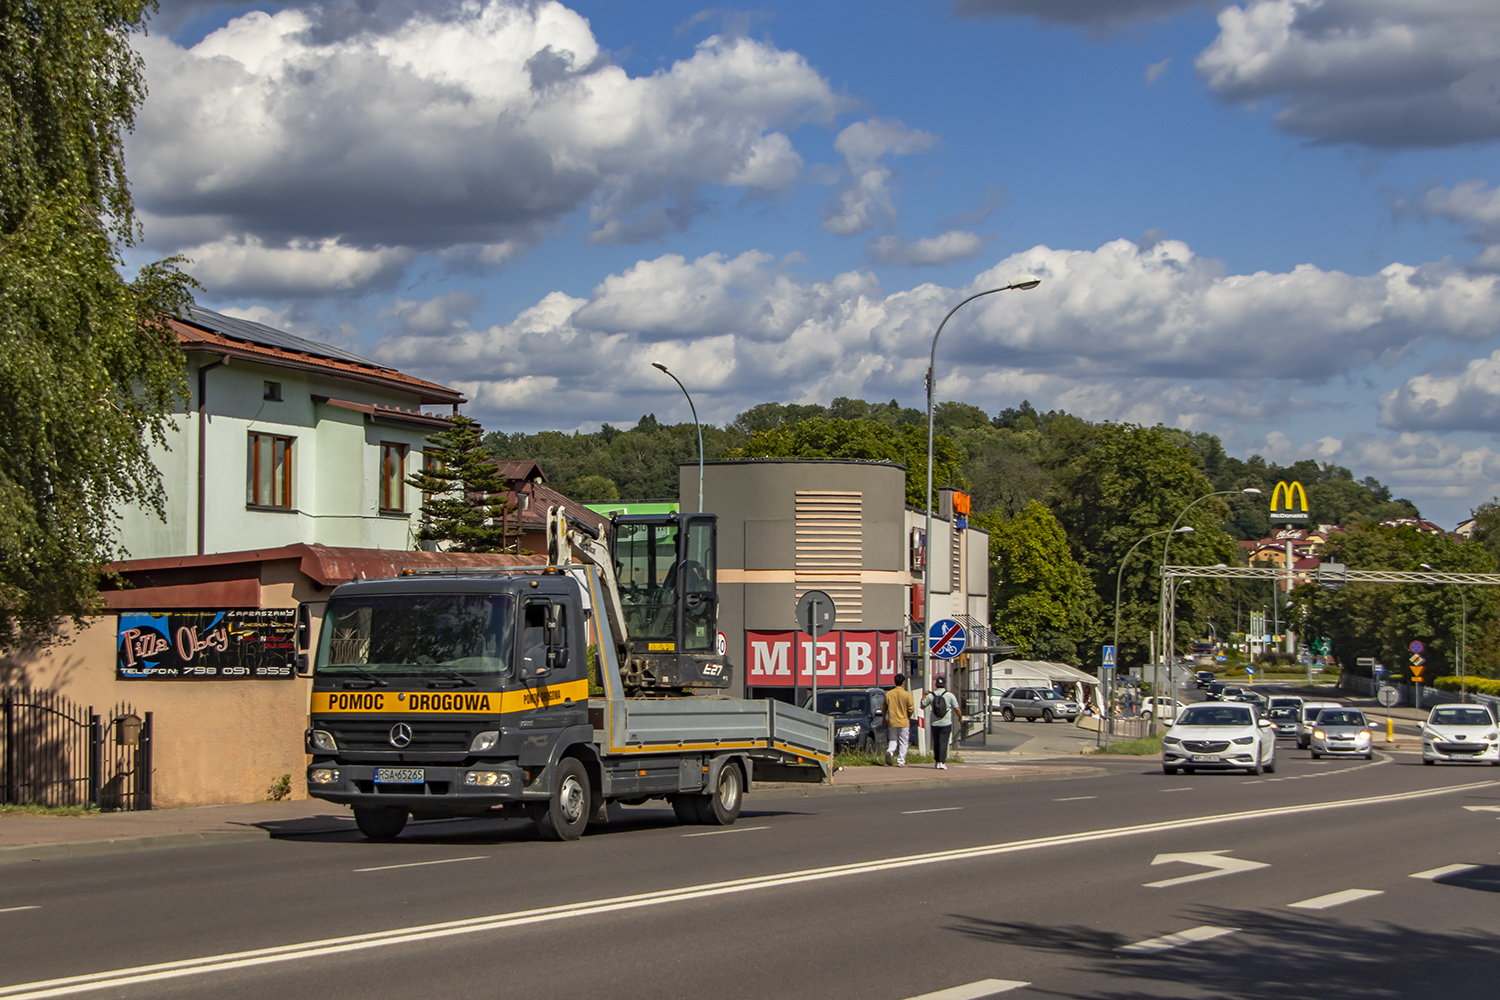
point(942, 712)
point(899, 709)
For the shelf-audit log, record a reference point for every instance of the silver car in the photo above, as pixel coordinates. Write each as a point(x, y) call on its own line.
point(1341, 731)
point(1310, 710)
point(1284, 718)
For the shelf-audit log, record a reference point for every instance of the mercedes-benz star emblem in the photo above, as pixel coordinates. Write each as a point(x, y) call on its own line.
point(400, 736)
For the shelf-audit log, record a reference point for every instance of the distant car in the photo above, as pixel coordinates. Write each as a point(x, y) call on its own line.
point(1460, 732)
point(1253, 698)
point(1341, 731)
point(1310, 710)
point(857, 714)
point(1205, 678)
point(1283, 701)
point(1034, 703)
point(1165, 709)
point(1284, 718)
point(1222, 736)
point(1214, 692)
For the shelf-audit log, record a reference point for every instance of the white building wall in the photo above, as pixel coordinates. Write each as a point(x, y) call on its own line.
point(335, 467)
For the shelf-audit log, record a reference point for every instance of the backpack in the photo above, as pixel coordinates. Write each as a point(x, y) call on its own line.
point(939, 706)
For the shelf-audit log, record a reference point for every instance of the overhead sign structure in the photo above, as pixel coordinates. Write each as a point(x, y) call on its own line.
point(1289, 503)
point(946, 639)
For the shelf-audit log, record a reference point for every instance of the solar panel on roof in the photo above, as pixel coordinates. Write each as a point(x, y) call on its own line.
point(259, 333)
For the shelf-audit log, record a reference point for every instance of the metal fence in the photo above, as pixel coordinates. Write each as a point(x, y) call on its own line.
point(54, 752)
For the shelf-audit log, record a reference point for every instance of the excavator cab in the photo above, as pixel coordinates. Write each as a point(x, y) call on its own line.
point(666, 568)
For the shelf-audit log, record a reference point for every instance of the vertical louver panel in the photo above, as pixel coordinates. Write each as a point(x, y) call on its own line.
point(955, 561)
point(830, 542)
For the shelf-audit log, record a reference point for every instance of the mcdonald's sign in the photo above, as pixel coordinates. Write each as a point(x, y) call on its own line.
point(1289, 503)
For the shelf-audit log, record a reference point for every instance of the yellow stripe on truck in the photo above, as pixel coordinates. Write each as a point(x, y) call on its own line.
point(445, 702)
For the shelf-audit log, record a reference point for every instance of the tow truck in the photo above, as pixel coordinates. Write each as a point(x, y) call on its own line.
point(542, 693)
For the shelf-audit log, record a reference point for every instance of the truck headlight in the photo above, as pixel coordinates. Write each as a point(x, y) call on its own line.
point(484, 741)
point(487, 779)
point(321, 740)
point(324, 776)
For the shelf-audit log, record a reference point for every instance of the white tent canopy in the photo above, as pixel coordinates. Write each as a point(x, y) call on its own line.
point(1006, 674)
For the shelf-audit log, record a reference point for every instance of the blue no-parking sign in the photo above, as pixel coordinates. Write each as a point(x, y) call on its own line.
point(946, 639)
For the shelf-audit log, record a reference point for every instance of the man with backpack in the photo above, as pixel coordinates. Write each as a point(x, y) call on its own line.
point(942, 711)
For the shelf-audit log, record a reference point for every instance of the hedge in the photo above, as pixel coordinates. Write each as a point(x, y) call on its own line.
point(1479, 685)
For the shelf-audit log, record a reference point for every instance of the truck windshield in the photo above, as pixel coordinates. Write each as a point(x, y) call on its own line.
point(417, 635)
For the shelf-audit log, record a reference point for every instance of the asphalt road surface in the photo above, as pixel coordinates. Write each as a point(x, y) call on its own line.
point(1331, 878)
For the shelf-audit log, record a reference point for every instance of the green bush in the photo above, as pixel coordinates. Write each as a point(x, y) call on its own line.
point(1143, 747)
point(1479, 685)
point(280, 789)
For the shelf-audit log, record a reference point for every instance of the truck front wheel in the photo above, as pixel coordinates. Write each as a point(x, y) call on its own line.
point(380, 822)
point(567, 812)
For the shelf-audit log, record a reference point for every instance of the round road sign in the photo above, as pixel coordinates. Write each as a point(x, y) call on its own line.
point(946, 639)
point(1387, 695)
point(815, 613)
point(1416, 646)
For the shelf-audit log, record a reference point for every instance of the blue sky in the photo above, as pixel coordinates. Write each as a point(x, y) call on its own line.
point(1273, 220)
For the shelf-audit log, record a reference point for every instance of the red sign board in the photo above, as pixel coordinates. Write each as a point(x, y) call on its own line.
point(842, 659)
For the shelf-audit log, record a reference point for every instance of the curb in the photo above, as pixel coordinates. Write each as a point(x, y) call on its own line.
point(124, 845)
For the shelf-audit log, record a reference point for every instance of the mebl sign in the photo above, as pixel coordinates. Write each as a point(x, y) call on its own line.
point(1289, 503)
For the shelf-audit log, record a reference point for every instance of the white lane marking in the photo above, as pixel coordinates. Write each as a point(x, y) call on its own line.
point(1483, 809)
point(17, 909)
point(1184, 788)
point(1209, 859)
point(1335, 899)
point(119, 978)
point(974, 991)
point(420, 864)
point(918, 812)
point(1445, 870)
point(1166, 943)
point(1076, 798)
point(737, 829)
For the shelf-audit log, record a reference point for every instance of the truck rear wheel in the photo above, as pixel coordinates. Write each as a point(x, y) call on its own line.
point(567, 812)
point(721, 805)
point(380, 822)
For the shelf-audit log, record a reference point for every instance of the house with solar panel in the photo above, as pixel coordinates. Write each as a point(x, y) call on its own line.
point(286, 440)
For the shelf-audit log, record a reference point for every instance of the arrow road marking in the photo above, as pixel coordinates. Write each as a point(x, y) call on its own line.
point(1209, 859)
point(1335, 899)
point(1170, 941)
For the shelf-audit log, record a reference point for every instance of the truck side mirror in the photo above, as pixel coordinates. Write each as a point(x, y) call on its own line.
point(304, 627)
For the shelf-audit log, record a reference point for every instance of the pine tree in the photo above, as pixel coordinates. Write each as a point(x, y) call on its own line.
point(466, 503)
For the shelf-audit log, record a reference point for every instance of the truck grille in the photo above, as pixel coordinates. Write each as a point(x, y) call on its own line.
point(1205, 746)
point(425, 735)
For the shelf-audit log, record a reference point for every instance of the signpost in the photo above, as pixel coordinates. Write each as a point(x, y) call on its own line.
point(815, 615)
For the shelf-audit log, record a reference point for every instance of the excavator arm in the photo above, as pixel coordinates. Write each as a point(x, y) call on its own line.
point(570, 541)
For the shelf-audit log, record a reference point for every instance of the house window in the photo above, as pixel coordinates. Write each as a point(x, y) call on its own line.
point(269, 471)
point(272, 391)
point(392, 477)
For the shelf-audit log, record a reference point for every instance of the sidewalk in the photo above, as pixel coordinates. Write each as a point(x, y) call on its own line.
point(39, 838)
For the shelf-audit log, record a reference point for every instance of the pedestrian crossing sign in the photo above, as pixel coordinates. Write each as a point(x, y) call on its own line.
point(1109, 656)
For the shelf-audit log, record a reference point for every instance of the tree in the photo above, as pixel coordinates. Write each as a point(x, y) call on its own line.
point(1042, 603)
point(466, 503)
point(90, 371)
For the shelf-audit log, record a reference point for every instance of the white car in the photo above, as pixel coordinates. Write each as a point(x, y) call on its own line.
point(1165, 709)
point(1460, 732)
point(1219, 736)
point(1310, 710)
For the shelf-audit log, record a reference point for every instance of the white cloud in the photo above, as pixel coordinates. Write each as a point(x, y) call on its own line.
point(1155, 71)
point(434, 129)
point(930, 251)
point(1382, 73)
point(301, 267)
point(1466, 400)
point(1467, 204)
point(1149, 333)
point(866, 201)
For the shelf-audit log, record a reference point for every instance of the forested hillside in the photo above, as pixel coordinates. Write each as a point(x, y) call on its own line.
point(1064, 500)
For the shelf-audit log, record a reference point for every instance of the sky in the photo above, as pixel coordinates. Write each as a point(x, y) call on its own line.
point(1277, 221)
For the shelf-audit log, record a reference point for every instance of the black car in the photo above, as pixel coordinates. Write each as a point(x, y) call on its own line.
point(1205, 678)
point(1215, 692)
point(857, 714)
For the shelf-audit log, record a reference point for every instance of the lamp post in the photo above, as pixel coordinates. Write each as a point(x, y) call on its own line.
point(1167, 646)
point(1463, 642)
point(1119, 575)
point(1023, 283)
point(661, 367)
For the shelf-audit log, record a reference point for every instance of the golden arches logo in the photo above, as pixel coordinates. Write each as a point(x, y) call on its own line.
point(1289, 502)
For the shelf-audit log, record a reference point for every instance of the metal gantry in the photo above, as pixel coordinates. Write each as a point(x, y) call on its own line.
point(1342, 576)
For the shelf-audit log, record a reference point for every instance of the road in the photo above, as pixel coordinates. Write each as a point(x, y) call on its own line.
point(1328, 879)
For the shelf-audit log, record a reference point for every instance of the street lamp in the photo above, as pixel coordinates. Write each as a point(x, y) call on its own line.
point(1023, 283)
point(1119, 575)
point(1168, 646)
point(1463, 642)
point(661, 367)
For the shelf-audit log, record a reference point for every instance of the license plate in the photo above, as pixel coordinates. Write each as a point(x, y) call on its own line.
point(400, 775)
point(1205, 756)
